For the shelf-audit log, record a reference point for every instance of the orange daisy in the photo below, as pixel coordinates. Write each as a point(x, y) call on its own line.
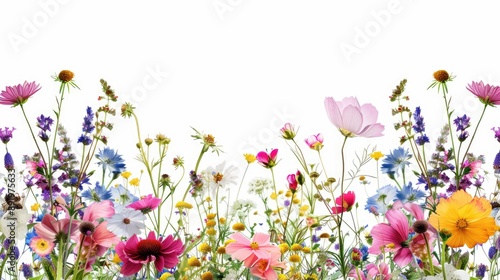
point(467, 218)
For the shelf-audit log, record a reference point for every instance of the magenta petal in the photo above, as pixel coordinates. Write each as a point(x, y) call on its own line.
point(383, 234)
point(130, 268)
point(399, 222)
point(403, 257)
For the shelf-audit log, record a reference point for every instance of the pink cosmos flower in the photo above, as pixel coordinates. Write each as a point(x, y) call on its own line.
point(344, 203)
point(372, 272)
point(250, 251)
point(294, 180)
point(57, 230)
point(146, 204)
point(265, 268)
point(135, 253)
point(288, 131)
point(18, 95)
point(487, 94)
point(392, 237)
point(353, 119)
point(267, 160)
point(315, 142)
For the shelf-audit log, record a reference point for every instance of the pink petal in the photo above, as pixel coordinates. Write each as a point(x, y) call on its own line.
point(352, 119)
point(370, 114)
point(399, 222)
point(403, 257)
point(383, 234)
point(333, 112)
point(261, 238)
point(374, 130)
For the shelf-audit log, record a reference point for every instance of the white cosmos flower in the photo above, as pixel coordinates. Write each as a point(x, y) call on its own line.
point(126, 222)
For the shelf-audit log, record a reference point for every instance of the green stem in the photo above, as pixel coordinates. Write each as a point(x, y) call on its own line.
point(60, 259)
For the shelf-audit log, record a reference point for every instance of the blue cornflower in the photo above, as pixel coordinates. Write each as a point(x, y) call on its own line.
point(122, 195)
point(111, 160)
point(29, 235)
point(410, 194)
point(6, 134)
point(378, 203)
point(364, 251)
point(99, 193)
point(395, 161)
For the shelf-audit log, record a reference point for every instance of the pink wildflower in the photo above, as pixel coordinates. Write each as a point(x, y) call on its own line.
point(267, 160)
point(393, 237)
point(146, 204)
point(265, 268)
point(353, 119)
point(344, 203)
point(57, 230)
point(249, 251)
point(315, 142)
point(135, 253)
point(18, 95)
point(487, 94)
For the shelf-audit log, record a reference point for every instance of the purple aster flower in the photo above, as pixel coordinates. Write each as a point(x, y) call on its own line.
point(6, 134)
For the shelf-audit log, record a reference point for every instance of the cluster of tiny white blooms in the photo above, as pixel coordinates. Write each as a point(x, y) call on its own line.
point(259, 185)
point(241, 208)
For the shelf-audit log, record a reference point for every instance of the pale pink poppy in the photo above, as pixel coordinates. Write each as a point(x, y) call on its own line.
point(353, 119)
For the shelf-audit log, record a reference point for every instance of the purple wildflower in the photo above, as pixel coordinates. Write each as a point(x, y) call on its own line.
point(8, 161)
point(44, 123)
point(480, 271)
point(6, 134)
point(497, 133)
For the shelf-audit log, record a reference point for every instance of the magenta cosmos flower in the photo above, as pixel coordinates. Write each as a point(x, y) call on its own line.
point(488, 94)
point(267, 160)
point(265, 268)
point(251, 250)
point(18, 95)
point(146, 204)
point(135, 253)
point(344, 203)
point(353, 119)
point(393, 237)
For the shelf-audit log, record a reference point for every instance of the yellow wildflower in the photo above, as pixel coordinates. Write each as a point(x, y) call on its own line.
point(204, 248)
point(35, 207)
point(134, 182)
point(126, 174)
point(183, 204)
point(249, 158)
point(376, 155)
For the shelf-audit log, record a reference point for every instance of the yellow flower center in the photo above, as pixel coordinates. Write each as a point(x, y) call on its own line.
point(254, 245)
point(41, 244)
point(462, 223)
point(346, 132)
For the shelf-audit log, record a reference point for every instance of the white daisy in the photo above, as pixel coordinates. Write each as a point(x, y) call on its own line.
point(126, 222)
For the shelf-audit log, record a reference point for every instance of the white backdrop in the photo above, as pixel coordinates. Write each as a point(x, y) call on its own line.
point(241, 69)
